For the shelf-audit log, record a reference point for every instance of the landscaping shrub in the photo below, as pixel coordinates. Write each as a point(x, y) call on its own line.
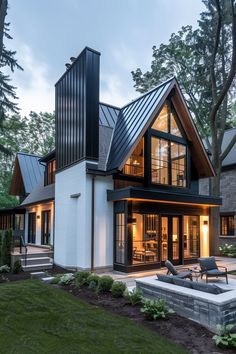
point(228, 250)
point(66, 279)
point(56, 279)
point(93, 281)
point(104, 284)
point(5, 269)
point(155, 309)
point(226, 337)
point(118, 288)
point(6, 248)
point(81, 277)
point(17, 268)
point(134, 296)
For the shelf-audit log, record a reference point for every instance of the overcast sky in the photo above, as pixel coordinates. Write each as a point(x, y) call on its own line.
point(46, 33)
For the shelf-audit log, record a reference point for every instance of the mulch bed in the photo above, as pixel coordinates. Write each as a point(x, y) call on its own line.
point(192, 336)
point(26, 275)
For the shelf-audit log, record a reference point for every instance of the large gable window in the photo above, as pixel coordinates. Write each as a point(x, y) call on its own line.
point(134, 165)
point(168, 162)
point(166, 121)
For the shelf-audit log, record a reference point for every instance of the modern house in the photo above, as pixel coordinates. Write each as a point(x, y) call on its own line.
point(227, 232)
point(121, 189)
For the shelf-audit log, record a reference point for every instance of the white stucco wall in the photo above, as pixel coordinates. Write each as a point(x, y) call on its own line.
point(73, 219)
point(38, 210)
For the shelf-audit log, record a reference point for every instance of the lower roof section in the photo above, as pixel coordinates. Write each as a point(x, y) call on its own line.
point(144, 194)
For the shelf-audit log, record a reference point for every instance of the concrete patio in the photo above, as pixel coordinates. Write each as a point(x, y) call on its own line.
point(129, 279)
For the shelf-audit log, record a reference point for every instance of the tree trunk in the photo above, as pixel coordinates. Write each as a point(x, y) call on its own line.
point(3, 12)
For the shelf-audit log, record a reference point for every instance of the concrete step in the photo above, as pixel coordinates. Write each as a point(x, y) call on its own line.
point(36, 267)
point(38, 255)
point(35, 260)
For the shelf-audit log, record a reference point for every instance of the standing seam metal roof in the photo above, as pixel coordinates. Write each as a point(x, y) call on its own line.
point(31, 170)
point(131, 121)
point(108, 115)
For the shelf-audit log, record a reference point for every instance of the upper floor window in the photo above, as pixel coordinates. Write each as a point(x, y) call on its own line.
point(227, 225)
point(166, 121)
point(168, 162)
point(134, 165)
point(50, 172)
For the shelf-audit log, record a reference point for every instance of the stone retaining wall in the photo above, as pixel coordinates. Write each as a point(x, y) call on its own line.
point(207, 309)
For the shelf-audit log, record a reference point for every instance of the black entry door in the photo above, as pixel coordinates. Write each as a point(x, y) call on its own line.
point(32, 228)
point(171, 239)
point(46, 227)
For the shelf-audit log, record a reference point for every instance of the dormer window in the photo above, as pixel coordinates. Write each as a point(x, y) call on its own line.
point(50, 172)
point(134, 165)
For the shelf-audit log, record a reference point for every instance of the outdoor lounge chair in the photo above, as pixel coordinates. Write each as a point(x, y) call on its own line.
point(210, 269)
point(172, 270)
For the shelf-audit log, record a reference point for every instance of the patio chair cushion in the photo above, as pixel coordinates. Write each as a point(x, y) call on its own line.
point(165, 278)
point(215, 273)
point(207, 288)
point(170, 267)
point(182, 282)
point(183, 275)
point(208, 263)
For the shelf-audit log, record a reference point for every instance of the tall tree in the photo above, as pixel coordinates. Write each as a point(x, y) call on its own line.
point(7, 61)
point(204, 61)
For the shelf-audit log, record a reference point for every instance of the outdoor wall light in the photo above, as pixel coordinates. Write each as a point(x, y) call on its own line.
point(205, 227)
point(205, 222)
point(132, 221)
point(38, 216)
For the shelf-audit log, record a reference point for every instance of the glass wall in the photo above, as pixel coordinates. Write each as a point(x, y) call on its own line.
point(134, 165)
point(120, 238)
point(168, 162)
point(145, 238)
point(191, 237)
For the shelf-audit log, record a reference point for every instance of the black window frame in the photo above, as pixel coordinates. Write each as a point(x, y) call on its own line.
point(50, 173)
point(230, 231)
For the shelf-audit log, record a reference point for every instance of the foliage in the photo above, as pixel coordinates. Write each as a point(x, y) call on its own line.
point(59, 323)
point(204, 61)
point(228, 250)
point(134, 296)
point(155, 309)
point(5, 269)
point(1, 239)
point(56, 279)
point(93, 281)
point(33, 134)
point(17, 268)
point(104, 284)
point(226, 337)
point(66, 279)
point(118, 288)
point(81, 277)
point(7, 247)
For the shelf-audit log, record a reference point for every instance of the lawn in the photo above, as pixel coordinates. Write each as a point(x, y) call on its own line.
point(37, 318)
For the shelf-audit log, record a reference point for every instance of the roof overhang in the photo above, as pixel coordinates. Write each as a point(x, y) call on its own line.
point(143, 194)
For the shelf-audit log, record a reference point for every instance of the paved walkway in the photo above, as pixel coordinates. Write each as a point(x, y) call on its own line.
point(129, 279)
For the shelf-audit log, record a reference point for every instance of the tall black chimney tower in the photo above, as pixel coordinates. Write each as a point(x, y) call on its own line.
point(77, 110)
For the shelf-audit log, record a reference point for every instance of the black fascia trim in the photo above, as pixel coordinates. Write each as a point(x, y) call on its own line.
point(228, 167)
point(150, 194)
point(38, 202)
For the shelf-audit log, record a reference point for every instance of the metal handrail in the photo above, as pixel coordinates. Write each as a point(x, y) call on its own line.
point(22, 244)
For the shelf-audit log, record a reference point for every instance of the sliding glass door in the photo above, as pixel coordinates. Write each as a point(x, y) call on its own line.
point(32, 228)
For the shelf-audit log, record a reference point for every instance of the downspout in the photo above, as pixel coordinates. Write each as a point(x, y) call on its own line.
point(92, 223)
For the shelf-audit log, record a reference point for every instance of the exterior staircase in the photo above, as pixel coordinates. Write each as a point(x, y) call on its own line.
point(37, 261)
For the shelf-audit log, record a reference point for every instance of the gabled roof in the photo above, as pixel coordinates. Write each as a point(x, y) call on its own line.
point(108, 115)
point(135, 118)
point(40, 194)
point(26, 175)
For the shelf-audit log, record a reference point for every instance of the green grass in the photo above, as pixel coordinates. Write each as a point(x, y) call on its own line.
point(37, 318)
point(233, 272)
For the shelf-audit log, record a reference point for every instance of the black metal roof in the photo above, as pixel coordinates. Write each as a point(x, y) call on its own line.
point(108, 115)
point(31, 170)
point(231, 157)
point(40, 194)
point(132, 122)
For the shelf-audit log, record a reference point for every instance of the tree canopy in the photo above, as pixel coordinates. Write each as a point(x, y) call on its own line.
point(204, 62)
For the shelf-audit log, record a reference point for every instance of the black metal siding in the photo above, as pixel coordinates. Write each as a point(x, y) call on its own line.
point(77, 110)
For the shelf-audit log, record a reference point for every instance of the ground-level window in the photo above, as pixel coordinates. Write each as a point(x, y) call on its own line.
point(32, 228)
point(120, 238)
point(46, 227)
point(191, 237)
point(227, 225)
